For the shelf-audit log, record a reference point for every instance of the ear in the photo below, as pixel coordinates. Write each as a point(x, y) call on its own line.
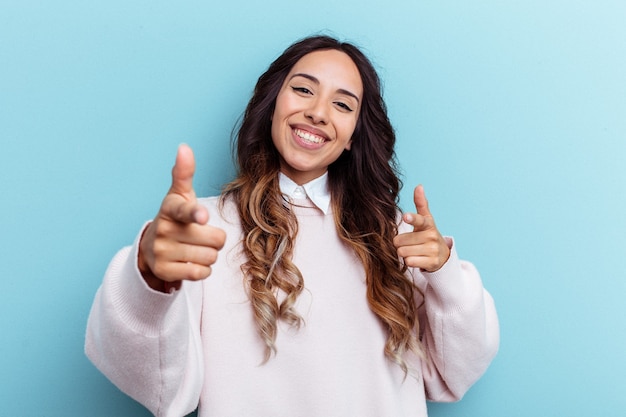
point(348, 145)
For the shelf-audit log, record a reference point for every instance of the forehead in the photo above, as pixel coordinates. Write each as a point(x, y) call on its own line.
point(331, 67)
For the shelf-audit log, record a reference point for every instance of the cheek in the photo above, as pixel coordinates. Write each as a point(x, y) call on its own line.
point(284, 104)
point(280, 113)
point(275, 119)
point(275, 134)
point(347, 131)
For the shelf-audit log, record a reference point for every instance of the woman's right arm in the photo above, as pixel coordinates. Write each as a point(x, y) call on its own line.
point(143, 331)
point(147, 342)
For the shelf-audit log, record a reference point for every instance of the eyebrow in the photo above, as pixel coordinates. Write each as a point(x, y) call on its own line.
point(316, 81)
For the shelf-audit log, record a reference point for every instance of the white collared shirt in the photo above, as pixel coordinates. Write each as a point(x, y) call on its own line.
point(316, 190)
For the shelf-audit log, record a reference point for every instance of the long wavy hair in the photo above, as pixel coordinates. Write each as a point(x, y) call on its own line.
point(364, 186)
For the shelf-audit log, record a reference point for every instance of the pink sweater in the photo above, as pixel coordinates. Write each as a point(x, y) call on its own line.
point(199, 345)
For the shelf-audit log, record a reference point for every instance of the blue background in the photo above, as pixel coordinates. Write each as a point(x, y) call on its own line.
point(512, 113)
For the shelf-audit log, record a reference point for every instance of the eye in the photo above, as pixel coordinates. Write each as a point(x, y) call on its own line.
point(302, 90)
point(343, 105)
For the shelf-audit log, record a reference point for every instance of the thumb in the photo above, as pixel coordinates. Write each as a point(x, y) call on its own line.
point(183, 170)
point(421, 203)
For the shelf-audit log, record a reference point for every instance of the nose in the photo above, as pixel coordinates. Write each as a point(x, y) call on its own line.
point(317, 112)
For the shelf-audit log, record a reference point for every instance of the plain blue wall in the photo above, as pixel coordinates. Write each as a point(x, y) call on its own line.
point(512, 113)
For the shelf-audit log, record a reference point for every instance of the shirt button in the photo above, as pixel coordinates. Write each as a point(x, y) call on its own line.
point(299, 192)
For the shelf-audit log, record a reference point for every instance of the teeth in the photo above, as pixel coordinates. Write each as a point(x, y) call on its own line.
point(309, 137)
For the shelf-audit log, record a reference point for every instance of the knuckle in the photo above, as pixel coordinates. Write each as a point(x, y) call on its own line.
point(198, 272)
point(159, 249)
point(180, 212)
point(211, 256)
point(192, 274)
point(222, 238)
point(163, 228)
point(217, 238)
point(411, 262)
point(159, 270)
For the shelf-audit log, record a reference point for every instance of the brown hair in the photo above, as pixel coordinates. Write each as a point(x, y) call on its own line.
point(364, 187)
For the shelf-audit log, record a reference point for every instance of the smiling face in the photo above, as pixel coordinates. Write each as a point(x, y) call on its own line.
point(316, 112)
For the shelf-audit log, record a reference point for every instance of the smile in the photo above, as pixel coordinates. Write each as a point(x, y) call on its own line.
point(309, 137)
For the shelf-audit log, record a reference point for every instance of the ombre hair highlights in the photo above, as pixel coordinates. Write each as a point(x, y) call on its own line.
point(364, 187)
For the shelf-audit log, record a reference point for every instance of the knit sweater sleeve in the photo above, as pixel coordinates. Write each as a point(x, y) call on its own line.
point(460, 328)
point(146, 342)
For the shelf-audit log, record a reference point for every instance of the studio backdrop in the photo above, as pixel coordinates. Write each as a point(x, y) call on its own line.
point(511, 113)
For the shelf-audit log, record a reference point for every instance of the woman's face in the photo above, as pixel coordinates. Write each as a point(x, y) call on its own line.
point(316, 112)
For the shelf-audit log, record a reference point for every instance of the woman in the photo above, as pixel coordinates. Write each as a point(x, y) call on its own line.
point(320, 300)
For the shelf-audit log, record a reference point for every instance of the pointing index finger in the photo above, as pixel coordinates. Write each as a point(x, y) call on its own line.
point(176, 208)
point(421, 203)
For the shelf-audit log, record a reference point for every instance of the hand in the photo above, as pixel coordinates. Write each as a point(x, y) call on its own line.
point(424, 247)
point(179, 244)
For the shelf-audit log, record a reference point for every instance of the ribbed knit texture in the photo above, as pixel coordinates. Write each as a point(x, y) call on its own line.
point(200, 344)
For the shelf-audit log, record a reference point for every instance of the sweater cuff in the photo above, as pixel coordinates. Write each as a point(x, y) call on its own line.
point(455, 280)
point(139, 306)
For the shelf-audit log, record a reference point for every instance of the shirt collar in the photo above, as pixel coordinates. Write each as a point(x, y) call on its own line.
point(316, 190)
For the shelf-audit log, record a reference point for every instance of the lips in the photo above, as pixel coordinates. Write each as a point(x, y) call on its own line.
point(309, 137)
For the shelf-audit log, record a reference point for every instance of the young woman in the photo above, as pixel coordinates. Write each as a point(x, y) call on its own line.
point(301, 290)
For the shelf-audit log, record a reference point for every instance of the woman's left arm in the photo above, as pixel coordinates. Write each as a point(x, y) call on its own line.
point(460, 328)
point(459, 324)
